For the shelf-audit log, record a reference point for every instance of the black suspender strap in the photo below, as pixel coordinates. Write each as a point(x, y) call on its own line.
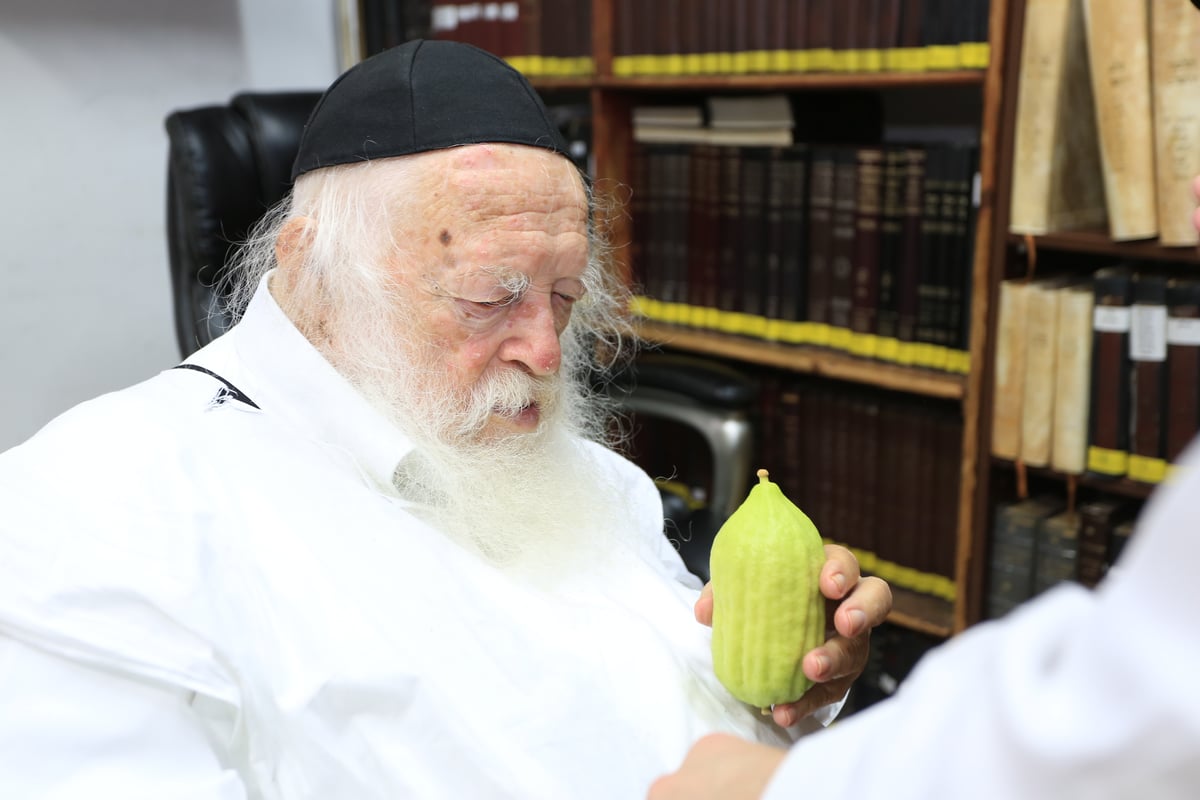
point(230, 390)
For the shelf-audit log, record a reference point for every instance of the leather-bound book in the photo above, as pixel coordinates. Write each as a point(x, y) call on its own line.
point(867, 221)
point(1148, 378)
point(841, 263)
point(820, 227)
point(1108, 416)
point(1097, 520)
point(1183, 365)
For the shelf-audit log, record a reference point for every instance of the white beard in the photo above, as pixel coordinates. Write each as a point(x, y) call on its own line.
point(533, 503)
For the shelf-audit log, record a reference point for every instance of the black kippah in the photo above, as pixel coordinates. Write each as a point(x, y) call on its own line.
point(423, 95)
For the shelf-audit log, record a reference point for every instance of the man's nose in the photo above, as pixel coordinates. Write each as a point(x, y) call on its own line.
point(532, 337)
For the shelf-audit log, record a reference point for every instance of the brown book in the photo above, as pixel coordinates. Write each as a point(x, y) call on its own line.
point(1174, 43)
point(1057, 176)
point(868, 216)
point(1037, 403)
point(752, 257)
point(1072, 383)
point(730, 254)
point(1009, 368)
point(960, 242)
point(641, 207)
point(931, 275)
point(1108, 415)
point(1119, 60)
point(1097, 520)
point(793, 169)
point(703, 211)
point(908, 280)
point(912, 13)
point(947, 480)
point(1183, 364)
point(820, 33)
point(820, 227)
point(841, 262)
point(1148, 378)
point(774, 234)
point(797, 27)
point(891, 229)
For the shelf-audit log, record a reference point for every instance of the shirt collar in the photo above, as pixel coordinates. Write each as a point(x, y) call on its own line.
point(293, 380)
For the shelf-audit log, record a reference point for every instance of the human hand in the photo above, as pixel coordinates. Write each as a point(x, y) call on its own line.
point(854, 605)
point(720, 767)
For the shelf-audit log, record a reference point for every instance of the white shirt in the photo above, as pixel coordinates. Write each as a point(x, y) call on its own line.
point(202, 599)
point(1077, 694)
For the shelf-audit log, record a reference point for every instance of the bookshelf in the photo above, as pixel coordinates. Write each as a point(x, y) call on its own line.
point(1077, 252)
point(612, 95)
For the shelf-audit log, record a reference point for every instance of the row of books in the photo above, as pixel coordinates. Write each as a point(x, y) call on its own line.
point(1038, 543)
point(862, 248)
point(541, 38)
point(875, 471)
point(672, 37)
point(1107, 130)
point(1099, 374)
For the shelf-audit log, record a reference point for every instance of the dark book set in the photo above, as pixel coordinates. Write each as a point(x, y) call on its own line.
point(864, 248)
point(541, 38)
point(1038, 543)
point(731, 37)
point(875, 471)
point(1145, 399)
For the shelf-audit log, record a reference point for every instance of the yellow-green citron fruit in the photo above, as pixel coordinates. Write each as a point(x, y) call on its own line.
point(768, 610)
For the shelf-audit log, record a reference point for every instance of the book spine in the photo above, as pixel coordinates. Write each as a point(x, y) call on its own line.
point(1183, 364)
point(841, 265)
point(1119, 58)
point(1174, 42)
point(867, 218)
point(1072, 382)
point(1009, 369)
point(1037, 405)
point(1147, 380)
point(1108, 416)
point(820, 226)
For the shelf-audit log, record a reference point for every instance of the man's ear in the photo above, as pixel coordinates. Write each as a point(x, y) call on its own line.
point(292, 244)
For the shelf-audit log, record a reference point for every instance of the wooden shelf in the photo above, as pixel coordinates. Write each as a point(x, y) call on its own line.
point(1096, 241)
point(921, 612)
point(1118, 486)
point(808, 360)
point(798, 81)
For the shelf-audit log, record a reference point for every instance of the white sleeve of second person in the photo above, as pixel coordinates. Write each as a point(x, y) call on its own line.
point(70, 731)
point(1075, 694)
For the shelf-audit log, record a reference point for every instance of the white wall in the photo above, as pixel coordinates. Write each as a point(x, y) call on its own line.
point(84, 88)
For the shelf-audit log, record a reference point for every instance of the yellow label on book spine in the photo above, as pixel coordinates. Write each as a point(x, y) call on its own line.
point(1107, 462)
point(1146, 469)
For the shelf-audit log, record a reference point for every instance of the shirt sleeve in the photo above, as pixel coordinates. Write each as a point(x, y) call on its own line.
point(1075, 694)
point(69, 731)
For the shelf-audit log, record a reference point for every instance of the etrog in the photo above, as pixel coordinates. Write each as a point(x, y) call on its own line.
point(768, 610)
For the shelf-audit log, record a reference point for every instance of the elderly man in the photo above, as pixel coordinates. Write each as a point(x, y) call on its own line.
point(369, 542)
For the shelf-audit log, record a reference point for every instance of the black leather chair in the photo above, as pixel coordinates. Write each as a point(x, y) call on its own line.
point(228, 164)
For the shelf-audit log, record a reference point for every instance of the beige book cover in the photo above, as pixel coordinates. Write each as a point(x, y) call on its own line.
point(1119, 57)
point(1058, 181)
point(1073, 378)
point(1175, 65)
point(1041, 338)
point(1009, 369)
